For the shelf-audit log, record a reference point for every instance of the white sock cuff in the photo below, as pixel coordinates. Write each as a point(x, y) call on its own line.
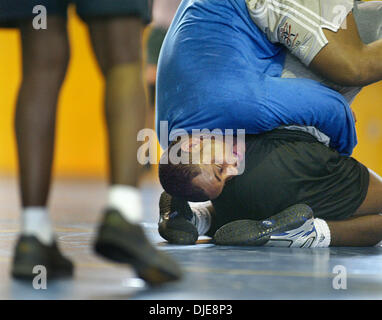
point(200, 204)
point(323, 232)
point(33, 216)
point(202, 216)
point(36, 221)
point(35, 210)
point(127, 200)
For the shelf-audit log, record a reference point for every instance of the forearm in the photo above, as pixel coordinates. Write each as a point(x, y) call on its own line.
point(347, 60)
point(353, 66)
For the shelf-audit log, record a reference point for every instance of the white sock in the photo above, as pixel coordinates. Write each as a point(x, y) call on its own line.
point(127, 200)
point(36, 222)
point(202, 217)
point(323, 234)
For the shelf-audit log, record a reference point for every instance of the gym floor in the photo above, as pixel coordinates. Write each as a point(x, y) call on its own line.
point(211, 272)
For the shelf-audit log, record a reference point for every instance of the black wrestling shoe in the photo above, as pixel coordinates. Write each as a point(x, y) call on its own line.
point(257, 233)
point(30, 252)
point(175, 221)
point(124, 242)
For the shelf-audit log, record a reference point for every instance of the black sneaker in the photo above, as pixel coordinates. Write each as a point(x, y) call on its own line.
point(124, 242)
point(30, 252)
point(257, 233)
point(175, 221)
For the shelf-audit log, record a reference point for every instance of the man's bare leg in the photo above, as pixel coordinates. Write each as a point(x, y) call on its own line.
point(120, 238)
point(45, 59)
point(117, 45)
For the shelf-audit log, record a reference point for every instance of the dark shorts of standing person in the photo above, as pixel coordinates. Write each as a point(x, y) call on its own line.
point(286, 167)
point(13, 11)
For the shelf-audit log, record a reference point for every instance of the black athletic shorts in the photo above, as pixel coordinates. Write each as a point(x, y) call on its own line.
point(12, 11)
point(286, 167)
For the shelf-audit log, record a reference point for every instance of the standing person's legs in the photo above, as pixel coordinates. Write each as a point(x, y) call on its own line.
point(116, 34)
point(117, 45)
point(45, 58)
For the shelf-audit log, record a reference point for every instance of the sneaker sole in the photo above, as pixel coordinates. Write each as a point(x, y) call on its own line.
point(257, 233)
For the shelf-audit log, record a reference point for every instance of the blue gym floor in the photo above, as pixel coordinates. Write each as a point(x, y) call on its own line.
point(211, 272)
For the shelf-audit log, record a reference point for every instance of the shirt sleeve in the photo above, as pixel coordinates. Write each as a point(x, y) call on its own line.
point(298, 24)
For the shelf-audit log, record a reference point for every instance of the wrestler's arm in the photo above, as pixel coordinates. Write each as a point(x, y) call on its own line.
point(346, 60)
point(339, 56)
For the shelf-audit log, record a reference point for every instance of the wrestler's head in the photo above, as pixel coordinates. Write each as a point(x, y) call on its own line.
point(206, 164)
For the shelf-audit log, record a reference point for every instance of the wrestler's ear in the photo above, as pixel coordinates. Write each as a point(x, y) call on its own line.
point(191, 145)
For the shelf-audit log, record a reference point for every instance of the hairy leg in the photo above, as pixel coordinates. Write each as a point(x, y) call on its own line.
point(45, 57)
point(117, 45)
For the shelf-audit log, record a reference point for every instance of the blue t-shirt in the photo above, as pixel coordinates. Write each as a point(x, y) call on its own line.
point(217, 70)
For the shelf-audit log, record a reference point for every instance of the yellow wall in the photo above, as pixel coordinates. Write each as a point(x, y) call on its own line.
point(368, 109)
point(80, 148)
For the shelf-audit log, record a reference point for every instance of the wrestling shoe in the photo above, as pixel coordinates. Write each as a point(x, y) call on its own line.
point(123, 242)
point(175, 218)
point(302, 237)
point(30, 252)
point(258, 233)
